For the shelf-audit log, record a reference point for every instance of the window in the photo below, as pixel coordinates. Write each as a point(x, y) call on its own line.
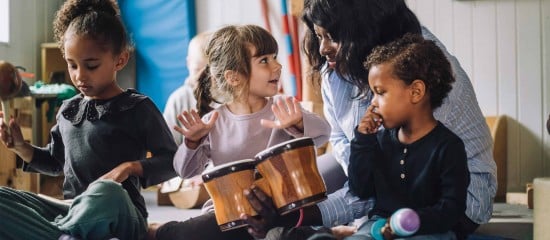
point(4, 21)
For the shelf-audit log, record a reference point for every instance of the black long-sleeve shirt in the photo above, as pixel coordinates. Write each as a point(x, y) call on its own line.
point(92, 137)
point(430, 175)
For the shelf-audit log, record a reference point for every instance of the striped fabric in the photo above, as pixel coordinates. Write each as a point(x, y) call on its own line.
point(460, 112)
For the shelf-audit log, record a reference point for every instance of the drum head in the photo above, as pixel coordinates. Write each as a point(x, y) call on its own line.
point(227, 168)
point(283, 147)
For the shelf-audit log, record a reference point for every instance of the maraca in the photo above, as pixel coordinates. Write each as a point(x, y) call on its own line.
point(404, 222)
point(10, 83)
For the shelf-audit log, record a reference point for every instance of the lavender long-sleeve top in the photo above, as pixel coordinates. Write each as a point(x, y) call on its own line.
point(237, 137)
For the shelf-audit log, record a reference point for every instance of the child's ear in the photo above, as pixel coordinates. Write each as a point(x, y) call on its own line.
point(122, 60)
point(418, 90)
point(232, 77)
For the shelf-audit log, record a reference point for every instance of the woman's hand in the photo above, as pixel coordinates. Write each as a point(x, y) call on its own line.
point(342, 231)
point(370, 122)
point(194, 129)
point(259, 226)
point(288, 114)
point(123, 171)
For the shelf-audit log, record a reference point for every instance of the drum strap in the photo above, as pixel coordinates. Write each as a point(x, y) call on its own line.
point(301, 218)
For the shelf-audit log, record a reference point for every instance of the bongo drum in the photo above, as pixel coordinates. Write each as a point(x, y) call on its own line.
point(291, 171)
point(225, 184)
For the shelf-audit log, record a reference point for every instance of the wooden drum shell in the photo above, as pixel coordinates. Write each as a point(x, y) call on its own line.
point(292, 173)
point(225, 186)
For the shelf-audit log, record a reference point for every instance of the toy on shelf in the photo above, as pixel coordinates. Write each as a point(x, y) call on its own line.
point(10, 84)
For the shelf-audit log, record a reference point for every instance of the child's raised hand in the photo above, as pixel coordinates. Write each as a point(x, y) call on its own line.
point(370, 122)
point(194, 129)
point(11, 135)
point(288, 114)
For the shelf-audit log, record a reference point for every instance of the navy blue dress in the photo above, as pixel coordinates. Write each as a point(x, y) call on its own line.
point(92, 137)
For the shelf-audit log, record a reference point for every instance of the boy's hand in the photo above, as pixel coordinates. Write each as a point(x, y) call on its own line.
point(288, 114)
point(267, 214)
point(370, 122)
point(387, 231)
point(194, 129)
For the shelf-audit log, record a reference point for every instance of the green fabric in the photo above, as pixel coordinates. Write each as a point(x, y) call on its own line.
point(103, 211)
point(63, 91)
point(21, 211)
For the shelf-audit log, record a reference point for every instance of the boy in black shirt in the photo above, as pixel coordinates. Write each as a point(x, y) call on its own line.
point(414, 161)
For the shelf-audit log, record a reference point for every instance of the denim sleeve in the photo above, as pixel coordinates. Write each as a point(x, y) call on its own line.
point(342, 207)
point(338, 139)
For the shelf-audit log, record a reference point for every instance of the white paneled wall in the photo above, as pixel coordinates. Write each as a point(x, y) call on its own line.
point(504, 46)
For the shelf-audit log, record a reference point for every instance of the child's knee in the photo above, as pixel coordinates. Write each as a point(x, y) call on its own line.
point(111, 193)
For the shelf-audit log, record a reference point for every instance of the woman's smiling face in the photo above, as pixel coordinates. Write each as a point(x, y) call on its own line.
point(328, 48)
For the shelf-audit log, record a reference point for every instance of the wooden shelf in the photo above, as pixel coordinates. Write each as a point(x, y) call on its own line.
point(52, 61)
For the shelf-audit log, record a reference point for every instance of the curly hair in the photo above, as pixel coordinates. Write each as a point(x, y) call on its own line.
point(412, 57)
point(229, 49)
point(358, 26)
point(98, 19)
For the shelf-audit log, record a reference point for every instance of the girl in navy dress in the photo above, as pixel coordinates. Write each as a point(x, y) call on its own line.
point(100, 141)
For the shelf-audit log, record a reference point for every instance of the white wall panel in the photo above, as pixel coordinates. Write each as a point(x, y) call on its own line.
point(484, 56)
point(529, 49)
point(545, 11)
point(444, 23)
point(462, 36)
point(507, 84)
point(504, 47)
point(412, 4)
point(425, 11)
